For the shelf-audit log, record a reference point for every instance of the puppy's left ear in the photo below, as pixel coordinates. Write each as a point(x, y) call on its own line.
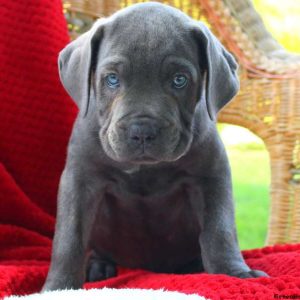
point(222, 82)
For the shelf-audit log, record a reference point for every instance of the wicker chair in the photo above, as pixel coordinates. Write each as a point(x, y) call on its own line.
point(269, 100)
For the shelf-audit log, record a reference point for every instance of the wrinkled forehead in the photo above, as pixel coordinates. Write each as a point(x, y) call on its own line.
point(149, 34)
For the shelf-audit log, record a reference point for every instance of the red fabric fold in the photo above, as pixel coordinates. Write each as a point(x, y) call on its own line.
point(36, 118)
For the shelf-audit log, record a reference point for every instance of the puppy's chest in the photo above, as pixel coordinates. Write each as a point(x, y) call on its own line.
point(137, 231)
point(146, 196)
point(146, 203)
point(140, 225)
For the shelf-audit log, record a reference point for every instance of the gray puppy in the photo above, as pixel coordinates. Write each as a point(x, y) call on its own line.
point(147, 182)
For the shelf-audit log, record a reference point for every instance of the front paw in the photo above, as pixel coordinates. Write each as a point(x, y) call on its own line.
point(60, 282)
point(250, 274)
point(55, 286)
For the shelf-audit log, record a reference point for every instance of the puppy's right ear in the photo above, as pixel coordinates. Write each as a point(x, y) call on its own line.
point(76, 63)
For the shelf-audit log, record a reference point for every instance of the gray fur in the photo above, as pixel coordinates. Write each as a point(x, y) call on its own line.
point(147, 182)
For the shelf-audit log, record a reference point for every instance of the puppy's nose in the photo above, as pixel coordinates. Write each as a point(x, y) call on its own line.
point(142, 133)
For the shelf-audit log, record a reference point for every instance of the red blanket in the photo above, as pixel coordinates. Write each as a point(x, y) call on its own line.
point(36, 118)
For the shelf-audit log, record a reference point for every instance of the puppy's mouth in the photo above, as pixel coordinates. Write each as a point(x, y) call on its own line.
point(145, 156)
point(144, 159)
point(136, 155)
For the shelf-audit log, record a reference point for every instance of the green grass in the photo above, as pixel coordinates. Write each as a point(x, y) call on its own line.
point(250, 168)
point(251, 177)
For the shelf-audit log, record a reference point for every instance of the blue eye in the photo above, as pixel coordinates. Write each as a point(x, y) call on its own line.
point(112, 80)
point(180, 81)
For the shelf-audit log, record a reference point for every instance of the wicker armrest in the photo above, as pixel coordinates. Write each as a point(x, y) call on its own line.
point(242, 29)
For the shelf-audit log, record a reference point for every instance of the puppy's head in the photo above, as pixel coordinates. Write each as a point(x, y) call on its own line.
point(142, 72)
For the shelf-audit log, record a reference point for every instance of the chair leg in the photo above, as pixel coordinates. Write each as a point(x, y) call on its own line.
point(283, 192)
point(294, 230)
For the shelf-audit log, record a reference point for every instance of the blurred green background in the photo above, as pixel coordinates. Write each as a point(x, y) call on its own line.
point(247, 154)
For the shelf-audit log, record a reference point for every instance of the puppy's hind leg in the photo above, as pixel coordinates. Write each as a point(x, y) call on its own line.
point(99, 268)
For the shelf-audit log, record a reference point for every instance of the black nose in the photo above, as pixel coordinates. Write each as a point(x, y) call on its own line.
point(142, 133)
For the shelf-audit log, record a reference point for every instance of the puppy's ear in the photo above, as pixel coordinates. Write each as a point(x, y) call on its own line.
point(76, 62)
point(222, 81)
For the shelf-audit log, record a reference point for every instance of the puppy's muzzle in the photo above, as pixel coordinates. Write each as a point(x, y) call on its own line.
point(143, 139)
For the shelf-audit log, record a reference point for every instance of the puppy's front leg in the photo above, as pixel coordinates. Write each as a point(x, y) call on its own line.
point(77, 205)
point(218, 239)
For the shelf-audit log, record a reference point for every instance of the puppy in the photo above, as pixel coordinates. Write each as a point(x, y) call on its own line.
point(147, 182)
